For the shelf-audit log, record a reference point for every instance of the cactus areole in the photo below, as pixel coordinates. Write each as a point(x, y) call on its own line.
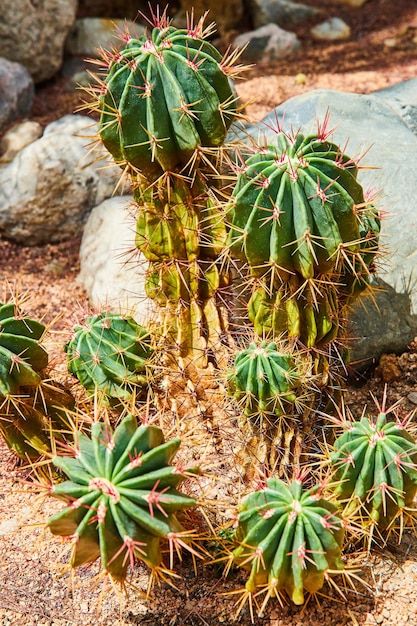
point(164, 95)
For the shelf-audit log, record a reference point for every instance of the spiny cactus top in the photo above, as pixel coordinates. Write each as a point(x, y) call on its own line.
point(108, 352)
point(294, 206)
point(289, 537)
point(122, 496)
point(375, 465)
point(164, 95)
point(21, 355)
point(264, 378)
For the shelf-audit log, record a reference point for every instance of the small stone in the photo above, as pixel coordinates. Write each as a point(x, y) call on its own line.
point(412, 397)
point(386, 614)
point(333, 29)
point(55, 268)
point(390, 42)
point(301, 79)
point(388, 368)
point(8, 526)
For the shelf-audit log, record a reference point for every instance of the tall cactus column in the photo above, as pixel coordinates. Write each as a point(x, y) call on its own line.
point(163, 100)
point(300, 222)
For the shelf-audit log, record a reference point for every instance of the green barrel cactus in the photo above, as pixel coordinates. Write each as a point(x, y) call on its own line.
point(22, 358)
point(374, 464)
point(289, 538)
point(294, 208)
point(109, 353)
point(164, 95)
point(263, 379)
point(122, 497)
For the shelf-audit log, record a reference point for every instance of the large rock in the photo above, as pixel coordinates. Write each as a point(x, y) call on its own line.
point(282, 12)
point(90, 34)
point(385, 123)
point(16, 91)
point(112, 271)
point(48, 189)
point(33, 33)
point(267, 43)
point(227, 15)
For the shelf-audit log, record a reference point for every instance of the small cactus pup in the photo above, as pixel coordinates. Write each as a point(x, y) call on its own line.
point(272, 388)
point(122, 498)
point(165, 105)
point(374, 468)
point(264, 380)
point(290, 540)
point(109, 353)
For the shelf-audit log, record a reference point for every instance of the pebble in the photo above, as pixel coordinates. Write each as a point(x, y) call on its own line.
point(333, 29)
point(412, 397)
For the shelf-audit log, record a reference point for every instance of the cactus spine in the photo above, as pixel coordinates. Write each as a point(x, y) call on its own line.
point(122, 497)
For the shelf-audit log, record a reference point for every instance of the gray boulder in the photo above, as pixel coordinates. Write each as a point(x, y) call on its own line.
point(282, 12)
point(267, 43)
point(16, 92)
point(33, 34)
point(50, 186)
point(90, 33)
point(385, 124)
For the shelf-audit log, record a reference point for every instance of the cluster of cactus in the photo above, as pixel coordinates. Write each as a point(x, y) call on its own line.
point(299, 219)
point(290, 537)
point(164, 100)
point(374, 464)
point(32, 409)
point(122, 497)
point(109, 354)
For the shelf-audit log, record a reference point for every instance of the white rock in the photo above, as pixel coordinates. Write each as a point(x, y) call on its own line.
point(112, 270)
point(48, 189)
point(90, 33)
point(18, 137)
point(331, 30)
point(33, 33)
